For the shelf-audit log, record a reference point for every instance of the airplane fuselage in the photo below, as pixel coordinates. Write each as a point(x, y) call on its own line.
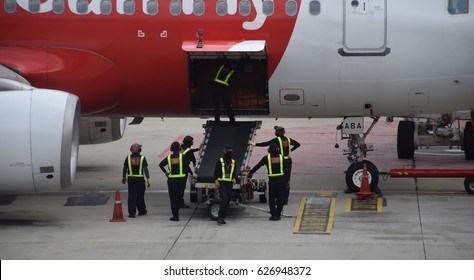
point(380, 57)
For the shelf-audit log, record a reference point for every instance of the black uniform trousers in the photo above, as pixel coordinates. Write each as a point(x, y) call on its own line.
point(225, 195)
point(221, 92)
point(287, 190)
point(136, 195)
point(277, 187)
point(175, 190)
point(181, 201)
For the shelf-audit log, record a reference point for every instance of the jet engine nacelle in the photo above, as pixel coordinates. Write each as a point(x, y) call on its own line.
point(40, 140)
point(99, 130)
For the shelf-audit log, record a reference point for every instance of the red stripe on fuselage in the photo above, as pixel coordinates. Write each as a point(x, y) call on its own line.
point(151, 70)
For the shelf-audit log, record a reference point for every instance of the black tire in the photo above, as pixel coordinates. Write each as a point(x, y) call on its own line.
point(354, 176)
point(469, 185)
point(468, 141)
point(213, 210)
point(406, 140)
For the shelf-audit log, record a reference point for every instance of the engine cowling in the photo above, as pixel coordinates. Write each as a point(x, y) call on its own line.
point(40, 140)
point(99, 130)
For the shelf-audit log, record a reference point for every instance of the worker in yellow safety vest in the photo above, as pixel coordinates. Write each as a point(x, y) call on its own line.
point(221, 91)
point(178, 168)
point(135, 167)
point(224, 179)
point(278, 179)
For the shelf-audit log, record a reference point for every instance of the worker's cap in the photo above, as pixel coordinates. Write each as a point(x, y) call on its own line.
point(135, 148)
point(188, 140)
point(279, 130)
point(174, 147)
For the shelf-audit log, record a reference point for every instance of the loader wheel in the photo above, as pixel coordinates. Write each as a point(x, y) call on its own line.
point(213, 210)
point(469, 185)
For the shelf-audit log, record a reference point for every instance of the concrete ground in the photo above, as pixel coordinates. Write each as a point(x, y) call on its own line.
point(424, 219)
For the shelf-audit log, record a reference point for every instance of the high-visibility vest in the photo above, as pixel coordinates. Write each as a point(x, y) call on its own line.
point(187, 150)
point(181, 174)
point(224, 81)
point(140, 167)
point(226, 177)
point(270, 169)
point(282, 152)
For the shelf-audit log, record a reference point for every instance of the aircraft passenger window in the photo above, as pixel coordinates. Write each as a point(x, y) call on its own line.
point(129, 7)
point(221, 7)
point(314, 8)
point(198, 7)
point(105, 7)
point(82, 6)
point(175, 7)
point(244, 8)
point(458, 7)
point(268, 7)
point(291, 7)
point(58, 6)
point(10, 6)
point(34, 6)
point(152, 7)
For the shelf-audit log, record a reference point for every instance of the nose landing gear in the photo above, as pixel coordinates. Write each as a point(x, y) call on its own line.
point(352, 129)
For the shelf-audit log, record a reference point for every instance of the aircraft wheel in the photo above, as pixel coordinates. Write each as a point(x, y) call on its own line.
point(469, 185)
point(213, 210)
point(354, 176)
point(406, 140)
point(468, 141)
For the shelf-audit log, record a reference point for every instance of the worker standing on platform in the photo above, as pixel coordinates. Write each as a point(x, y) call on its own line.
point(224, 179)
point(278, 179)
point(178, 167)
point(286, 145)
point(189, 153)
point(221, 91)
point(135, 168)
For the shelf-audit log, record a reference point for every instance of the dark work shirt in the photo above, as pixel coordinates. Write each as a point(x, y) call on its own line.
point(286, 148)
point(135, 166)
point(227, 168)
point(186, 168)
point(275, 167)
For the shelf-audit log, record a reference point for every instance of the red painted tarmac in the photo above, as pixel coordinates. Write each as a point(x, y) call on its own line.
point(317, 154)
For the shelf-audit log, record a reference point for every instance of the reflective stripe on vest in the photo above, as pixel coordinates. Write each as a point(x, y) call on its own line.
point(282, 152)
point(270, 169)
point(226, 177)
point(180, 174)
point(224, 82)
point(187, 150)
point(140, 168)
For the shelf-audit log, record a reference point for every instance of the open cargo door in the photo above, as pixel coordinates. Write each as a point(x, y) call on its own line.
point(249, 84)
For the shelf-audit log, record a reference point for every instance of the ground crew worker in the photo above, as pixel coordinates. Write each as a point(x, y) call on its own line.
point(135, 168)
point(221, 91)
point(189, 153)
point(286, 145)
point(178, 167)
point(224, 179)
point(278, 179)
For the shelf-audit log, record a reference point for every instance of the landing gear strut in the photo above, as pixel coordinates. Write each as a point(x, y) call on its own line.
point(352, 129)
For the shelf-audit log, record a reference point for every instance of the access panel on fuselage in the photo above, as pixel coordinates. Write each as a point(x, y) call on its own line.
point(248, 84)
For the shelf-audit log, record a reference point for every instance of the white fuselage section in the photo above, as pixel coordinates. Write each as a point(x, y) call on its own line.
point(429, 67)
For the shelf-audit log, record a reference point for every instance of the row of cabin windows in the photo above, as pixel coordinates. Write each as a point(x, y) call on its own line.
point(291, 7)
point(152, 7)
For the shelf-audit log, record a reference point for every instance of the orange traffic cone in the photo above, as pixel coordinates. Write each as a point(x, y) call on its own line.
point(365, 192)
point(118, 213)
